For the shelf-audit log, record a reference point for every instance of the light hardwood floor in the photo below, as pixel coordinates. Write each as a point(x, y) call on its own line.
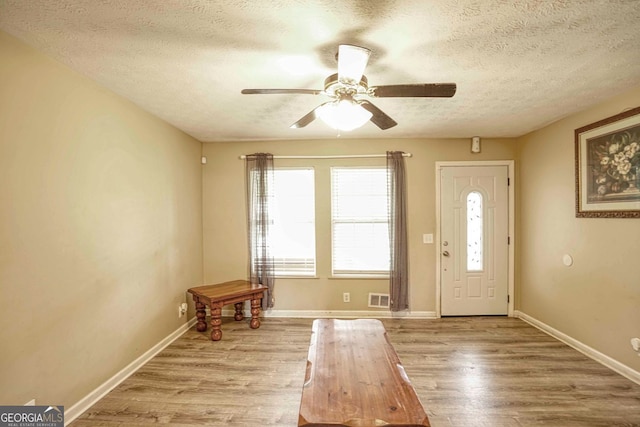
point(471, 371)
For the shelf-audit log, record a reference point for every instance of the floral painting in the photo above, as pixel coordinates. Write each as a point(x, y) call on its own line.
point(608, 167)
point(614, 166)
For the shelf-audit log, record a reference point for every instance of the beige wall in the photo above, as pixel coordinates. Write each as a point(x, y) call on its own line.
point(100, 229)
point(105, 219)
point(225, 247)
point(597, 300)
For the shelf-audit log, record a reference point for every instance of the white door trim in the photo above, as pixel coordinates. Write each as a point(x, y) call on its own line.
point(511, 173)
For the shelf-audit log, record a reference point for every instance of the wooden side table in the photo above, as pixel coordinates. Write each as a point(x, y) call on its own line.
point(218, 295)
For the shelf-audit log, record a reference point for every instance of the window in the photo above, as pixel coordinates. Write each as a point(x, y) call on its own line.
point(293, 243)
point(359, 221)
point(474, 231)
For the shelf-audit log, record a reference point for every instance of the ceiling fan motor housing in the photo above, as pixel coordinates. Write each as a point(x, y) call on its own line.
point(334, 87)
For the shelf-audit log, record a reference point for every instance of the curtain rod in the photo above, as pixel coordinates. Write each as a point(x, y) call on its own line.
point(345, 156)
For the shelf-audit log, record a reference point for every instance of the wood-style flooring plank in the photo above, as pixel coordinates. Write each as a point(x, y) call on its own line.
point(468, 371)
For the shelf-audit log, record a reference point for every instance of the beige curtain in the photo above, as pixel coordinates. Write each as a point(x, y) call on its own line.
point(259, 179)
point(397, 202)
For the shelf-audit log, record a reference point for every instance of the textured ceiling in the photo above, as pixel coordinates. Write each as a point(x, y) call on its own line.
point(518, 64)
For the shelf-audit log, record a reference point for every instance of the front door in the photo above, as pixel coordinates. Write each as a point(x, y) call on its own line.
point(474, 232)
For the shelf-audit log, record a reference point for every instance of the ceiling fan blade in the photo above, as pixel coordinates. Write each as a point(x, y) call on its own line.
point(430, 90)
point(352, 60)
point(277, 91)
point(379, 117)
point(307, 118)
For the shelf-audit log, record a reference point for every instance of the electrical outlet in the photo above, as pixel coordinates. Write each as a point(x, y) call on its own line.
point(346, 297)
point(182, 309)
point(635, 343)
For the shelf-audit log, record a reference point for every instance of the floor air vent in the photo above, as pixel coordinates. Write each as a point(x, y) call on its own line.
point(379, 300)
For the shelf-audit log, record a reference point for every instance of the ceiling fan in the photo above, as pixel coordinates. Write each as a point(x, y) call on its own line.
point(349, 107)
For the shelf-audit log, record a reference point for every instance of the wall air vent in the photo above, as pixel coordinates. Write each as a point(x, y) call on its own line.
point(379, 300)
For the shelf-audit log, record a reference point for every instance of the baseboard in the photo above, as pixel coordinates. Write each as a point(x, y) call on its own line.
point(341, 314)
point(590, 352)
point(85, 403)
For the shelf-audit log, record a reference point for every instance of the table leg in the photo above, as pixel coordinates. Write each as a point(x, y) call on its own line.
point(216, 321)
point(239, 306)
point(255, 313)
point(201, 326)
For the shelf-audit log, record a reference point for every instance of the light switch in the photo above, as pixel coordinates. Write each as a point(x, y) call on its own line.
point(427, 238)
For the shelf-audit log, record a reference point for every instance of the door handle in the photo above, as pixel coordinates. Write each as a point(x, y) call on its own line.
point(445, 253)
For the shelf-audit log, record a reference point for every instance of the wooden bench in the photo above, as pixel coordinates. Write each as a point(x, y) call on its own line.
point(354, 378)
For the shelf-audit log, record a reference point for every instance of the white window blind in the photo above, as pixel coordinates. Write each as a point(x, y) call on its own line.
point(293, 243)
point(359, 218)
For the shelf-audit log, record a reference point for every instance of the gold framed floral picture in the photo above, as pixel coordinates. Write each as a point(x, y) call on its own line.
point(608, 167)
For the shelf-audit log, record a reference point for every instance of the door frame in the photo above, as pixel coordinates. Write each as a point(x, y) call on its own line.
point(510, 164)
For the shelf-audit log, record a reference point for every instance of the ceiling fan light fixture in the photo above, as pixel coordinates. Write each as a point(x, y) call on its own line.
point(344, 115)
point(352, 60)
